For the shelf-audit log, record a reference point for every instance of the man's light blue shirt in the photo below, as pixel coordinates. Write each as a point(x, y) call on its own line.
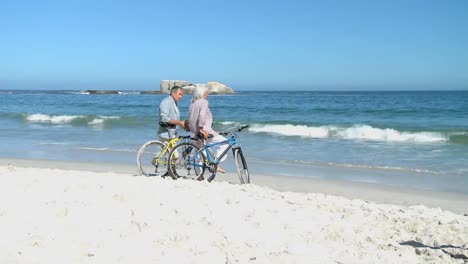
point(168, 110)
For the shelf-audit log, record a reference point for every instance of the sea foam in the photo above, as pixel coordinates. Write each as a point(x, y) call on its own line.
point(56, 119)
point(294, 130)
point(356, 132)
point(63, 119)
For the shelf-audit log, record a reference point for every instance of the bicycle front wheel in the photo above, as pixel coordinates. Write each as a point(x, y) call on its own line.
point(187, 161)
point(241, 166)
point(152, 159)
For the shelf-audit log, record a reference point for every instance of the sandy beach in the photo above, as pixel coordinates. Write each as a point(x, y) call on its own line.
point(55, 212)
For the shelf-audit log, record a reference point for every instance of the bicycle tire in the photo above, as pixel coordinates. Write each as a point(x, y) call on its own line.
point(146, 163)
point(186, 161)
point(241, 165)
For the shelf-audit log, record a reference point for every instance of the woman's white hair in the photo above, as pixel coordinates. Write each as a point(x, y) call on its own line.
point(199, 92)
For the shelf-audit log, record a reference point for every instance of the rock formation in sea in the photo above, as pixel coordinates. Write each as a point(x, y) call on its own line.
point(101, 92)
point(213, 87)
point(150, 92)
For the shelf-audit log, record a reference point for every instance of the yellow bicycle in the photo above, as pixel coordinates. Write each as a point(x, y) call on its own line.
point(153, 156)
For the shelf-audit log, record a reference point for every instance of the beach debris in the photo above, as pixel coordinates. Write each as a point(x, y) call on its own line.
point(455, 252)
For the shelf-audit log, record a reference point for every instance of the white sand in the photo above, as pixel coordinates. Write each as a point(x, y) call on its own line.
point(69, 216)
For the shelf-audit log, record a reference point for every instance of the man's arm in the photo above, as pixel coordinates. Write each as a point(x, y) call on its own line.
point(180, 123)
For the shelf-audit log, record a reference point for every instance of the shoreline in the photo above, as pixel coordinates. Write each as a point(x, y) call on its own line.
point(378, 193)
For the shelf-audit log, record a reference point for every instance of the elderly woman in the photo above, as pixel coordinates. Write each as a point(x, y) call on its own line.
point(200, 120)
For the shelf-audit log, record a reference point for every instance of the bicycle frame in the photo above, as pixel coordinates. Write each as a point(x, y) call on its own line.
point(232, 141)
point(167, 148)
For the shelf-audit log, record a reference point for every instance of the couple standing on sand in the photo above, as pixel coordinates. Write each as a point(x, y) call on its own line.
point(199, 120)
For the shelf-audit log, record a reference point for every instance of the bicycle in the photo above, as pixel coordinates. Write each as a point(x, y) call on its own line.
point(189, 161)
point(152, 157)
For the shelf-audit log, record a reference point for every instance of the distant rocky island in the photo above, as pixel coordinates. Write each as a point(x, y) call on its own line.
point(100, 92)
point(166, 85)
point(213, 87)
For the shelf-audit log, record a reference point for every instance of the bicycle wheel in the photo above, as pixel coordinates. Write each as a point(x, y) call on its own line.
point(152, 159)
point(186, 161)
point(241, 166)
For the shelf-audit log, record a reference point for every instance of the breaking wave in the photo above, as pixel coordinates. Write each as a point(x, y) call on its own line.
point(91, 120)
point(353, 132)
point(55, 119)
point(356, 132)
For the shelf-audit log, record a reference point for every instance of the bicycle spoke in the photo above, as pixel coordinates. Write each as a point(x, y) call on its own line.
point(152, 159)
point(186, 161)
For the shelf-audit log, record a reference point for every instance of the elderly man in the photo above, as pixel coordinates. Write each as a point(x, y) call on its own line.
point(169, 116)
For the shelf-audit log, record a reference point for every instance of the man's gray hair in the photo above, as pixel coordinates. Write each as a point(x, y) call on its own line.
point(175, 89)
point(199, 92)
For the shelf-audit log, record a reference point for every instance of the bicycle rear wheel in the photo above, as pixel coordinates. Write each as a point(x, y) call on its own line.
point(241, 166)
point(152, 159)
point(186, 161)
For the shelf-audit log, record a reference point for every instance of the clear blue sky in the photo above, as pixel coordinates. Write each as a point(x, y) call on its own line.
point(411, 44)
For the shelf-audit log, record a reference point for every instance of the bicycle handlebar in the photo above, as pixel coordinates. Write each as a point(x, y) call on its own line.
point(237, 129)
point(242, 127)
point(200, 135)
point(166, 125)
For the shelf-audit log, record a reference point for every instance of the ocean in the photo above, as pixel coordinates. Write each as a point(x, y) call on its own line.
point(399, 138)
